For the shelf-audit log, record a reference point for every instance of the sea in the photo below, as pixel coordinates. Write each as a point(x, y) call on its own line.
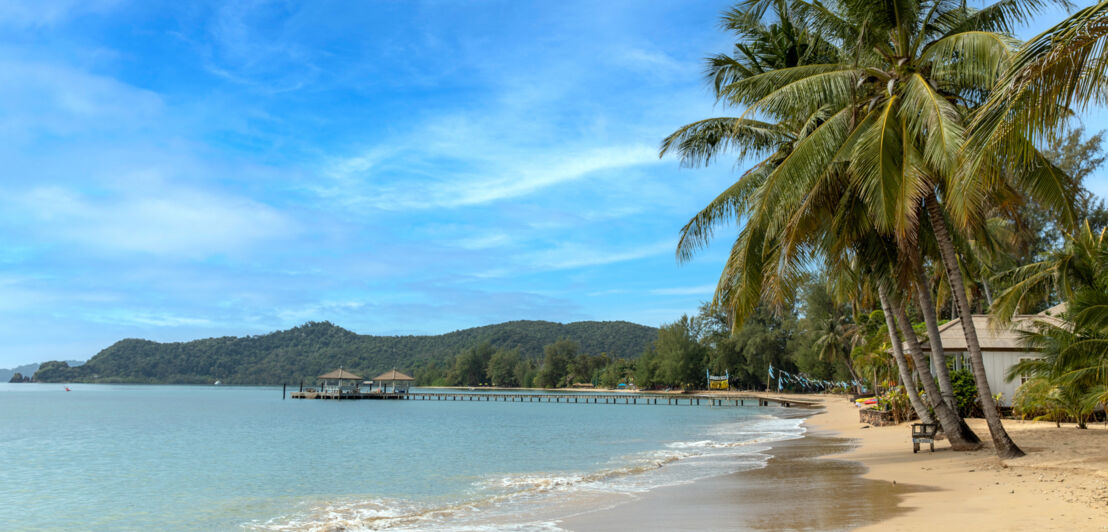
point(156, 457)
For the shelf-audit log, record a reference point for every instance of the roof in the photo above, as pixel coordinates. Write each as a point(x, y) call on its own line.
point(393, 375)
point(991, 336)
point(341, 374)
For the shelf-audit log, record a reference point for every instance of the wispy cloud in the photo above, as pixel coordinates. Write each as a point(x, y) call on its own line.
point(387, 182)
point(150, 319)
point(37, 13)
point(574, 255)
point(63, 101)
point(164, 220)
point(701, 290)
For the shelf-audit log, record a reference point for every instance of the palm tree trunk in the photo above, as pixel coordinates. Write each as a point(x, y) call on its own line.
point(938, 355)
point(961, 438)
point(901, 363)
point(1005, 447)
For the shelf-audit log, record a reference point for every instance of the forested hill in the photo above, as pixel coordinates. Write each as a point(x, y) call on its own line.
point(318, 347)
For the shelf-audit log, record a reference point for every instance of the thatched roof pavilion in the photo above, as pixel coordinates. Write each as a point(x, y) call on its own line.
point(393, 375)
point(392, 382)
point(340, 375)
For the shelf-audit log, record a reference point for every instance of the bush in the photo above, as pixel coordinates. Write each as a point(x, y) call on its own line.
point(896, 401)
point(965, 392)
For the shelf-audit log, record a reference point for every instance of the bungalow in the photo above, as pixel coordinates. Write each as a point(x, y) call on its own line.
point(1001, 347)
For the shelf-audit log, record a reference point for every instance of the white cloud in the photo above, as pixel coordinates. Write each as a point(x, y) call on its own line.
point(373, 179)
point(164, 220)
point(63, 101)
point(573, 255)
point(655, 62)
point(37, 13)
point(150, 319)
point(487, 241)
point(705, 289)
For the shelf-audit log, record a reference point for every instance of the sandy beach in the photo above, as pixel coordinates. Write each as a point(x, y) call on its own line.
point(844, 475)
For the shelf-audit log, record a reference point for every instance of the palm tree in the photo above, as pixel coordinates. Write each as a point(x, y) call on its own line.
point(837, 339)
point(1056, 71)
point(885, 119)
point(1073, 370)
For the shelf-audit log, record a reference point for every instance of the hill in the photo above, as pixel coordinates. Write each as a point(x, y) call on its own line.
point(317, 347)
point(29, 369)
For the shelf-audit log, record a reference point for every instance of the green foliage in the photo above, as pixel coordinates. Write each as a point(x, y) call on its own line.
point(896, 401)
point(1072, 374)
point(315, 348)
point(965, 392)
point(503, 368)
point(555, 363)
point(620, 371)
point(681, 359)
point(470, 366)
point(1042, 399)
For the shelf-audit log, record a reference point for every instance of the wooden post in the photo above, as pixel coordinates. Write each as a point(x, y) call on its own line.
point(284, 388)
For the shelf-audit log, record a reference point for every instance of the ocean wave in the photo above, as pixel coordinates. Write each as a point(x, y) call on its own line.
point(500, 502)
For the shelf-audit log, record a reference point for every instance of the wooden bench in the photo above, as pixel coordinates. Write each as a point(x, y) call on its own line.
point(924, 433)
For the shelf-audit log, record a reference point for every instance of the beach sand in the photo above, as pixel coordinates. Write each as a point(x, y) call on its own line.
point(842, 476)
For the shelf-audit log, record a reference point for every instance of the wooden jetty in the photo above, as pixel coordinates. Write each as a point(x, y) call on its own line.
point(569, 398)
point(610, 398)
point(345, 394)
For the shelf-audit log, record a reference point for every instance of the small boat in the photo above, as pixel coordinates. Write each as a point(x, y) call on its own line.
point(217, 383)
point(67, 389)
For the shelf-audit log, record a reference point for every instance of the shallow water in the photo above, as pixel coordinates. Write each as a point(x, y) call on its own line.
point(110, 457)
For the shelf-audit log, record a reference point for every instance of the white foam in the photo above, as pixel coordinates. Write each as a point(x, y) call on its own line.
point(500, 502)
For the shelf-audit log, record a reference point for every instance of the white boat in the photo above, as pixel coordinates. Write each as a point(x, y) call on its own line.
point(217, 383)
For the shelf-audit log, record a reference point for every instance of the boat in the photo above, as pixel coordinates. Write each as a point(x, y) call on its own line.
point(217, 383)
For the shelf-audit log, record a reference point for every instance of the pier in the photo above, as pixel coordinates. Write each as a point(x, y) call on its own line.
point(571, 398)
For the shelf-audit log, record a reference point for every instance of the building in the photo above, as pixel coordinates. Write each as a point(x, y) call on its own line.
point(340, 382)
point(389, 382)
point(1001, 347)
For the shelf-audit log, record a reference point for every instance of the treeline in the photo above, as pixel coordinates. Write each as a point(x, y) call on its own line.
point(678, 356)
point(563, 364)
point(315, 348)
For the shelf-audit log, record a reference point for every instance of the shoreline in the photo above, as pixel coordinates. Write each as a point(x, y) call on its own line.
point(845, 475)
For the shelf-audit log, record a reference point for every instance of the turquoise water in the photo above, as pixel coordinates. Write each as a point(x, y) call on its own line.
point(107, 457)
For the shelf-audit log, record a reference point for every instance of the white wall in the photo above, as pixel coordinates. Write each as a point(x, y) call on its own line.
point(997, 364)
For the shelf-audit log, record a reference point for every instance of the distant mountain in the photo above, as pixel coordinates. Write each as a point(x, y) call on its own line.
point(317, 347)
point(30, 369)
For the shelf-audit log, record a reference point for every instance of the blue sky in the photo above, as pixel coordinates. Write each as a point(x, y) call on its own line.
point(176, 170)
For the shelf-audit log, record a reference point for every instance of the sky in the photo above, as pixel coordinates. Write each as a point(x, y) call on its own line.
point(180, 170)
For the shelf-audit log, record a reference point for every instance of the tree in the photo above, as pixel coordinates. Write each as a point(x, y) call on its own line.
point(503, 368)
point(681, 359)
point(555, 363)
point(882, 121)
point(470, 365)
point(1072, 374)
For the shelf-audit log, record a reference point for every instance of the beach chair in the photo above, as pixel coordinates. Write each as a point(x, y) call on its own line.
point(923, 433)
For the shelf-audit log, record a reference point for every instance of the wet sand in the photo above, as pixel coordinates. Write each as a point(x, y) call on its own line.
point(800, 489)
point(845, 475)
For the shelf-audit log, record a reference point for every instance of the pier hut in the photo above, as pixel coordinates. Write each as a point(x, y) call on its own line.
point(339, 382)
point(391, 382)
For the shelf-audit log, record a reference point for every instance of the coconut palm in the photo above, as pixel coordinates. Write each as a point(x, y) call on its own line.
point(1060, 69)
point(1074, 365)
point(1076, 267)
point(887, 119)
point(838, 336)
